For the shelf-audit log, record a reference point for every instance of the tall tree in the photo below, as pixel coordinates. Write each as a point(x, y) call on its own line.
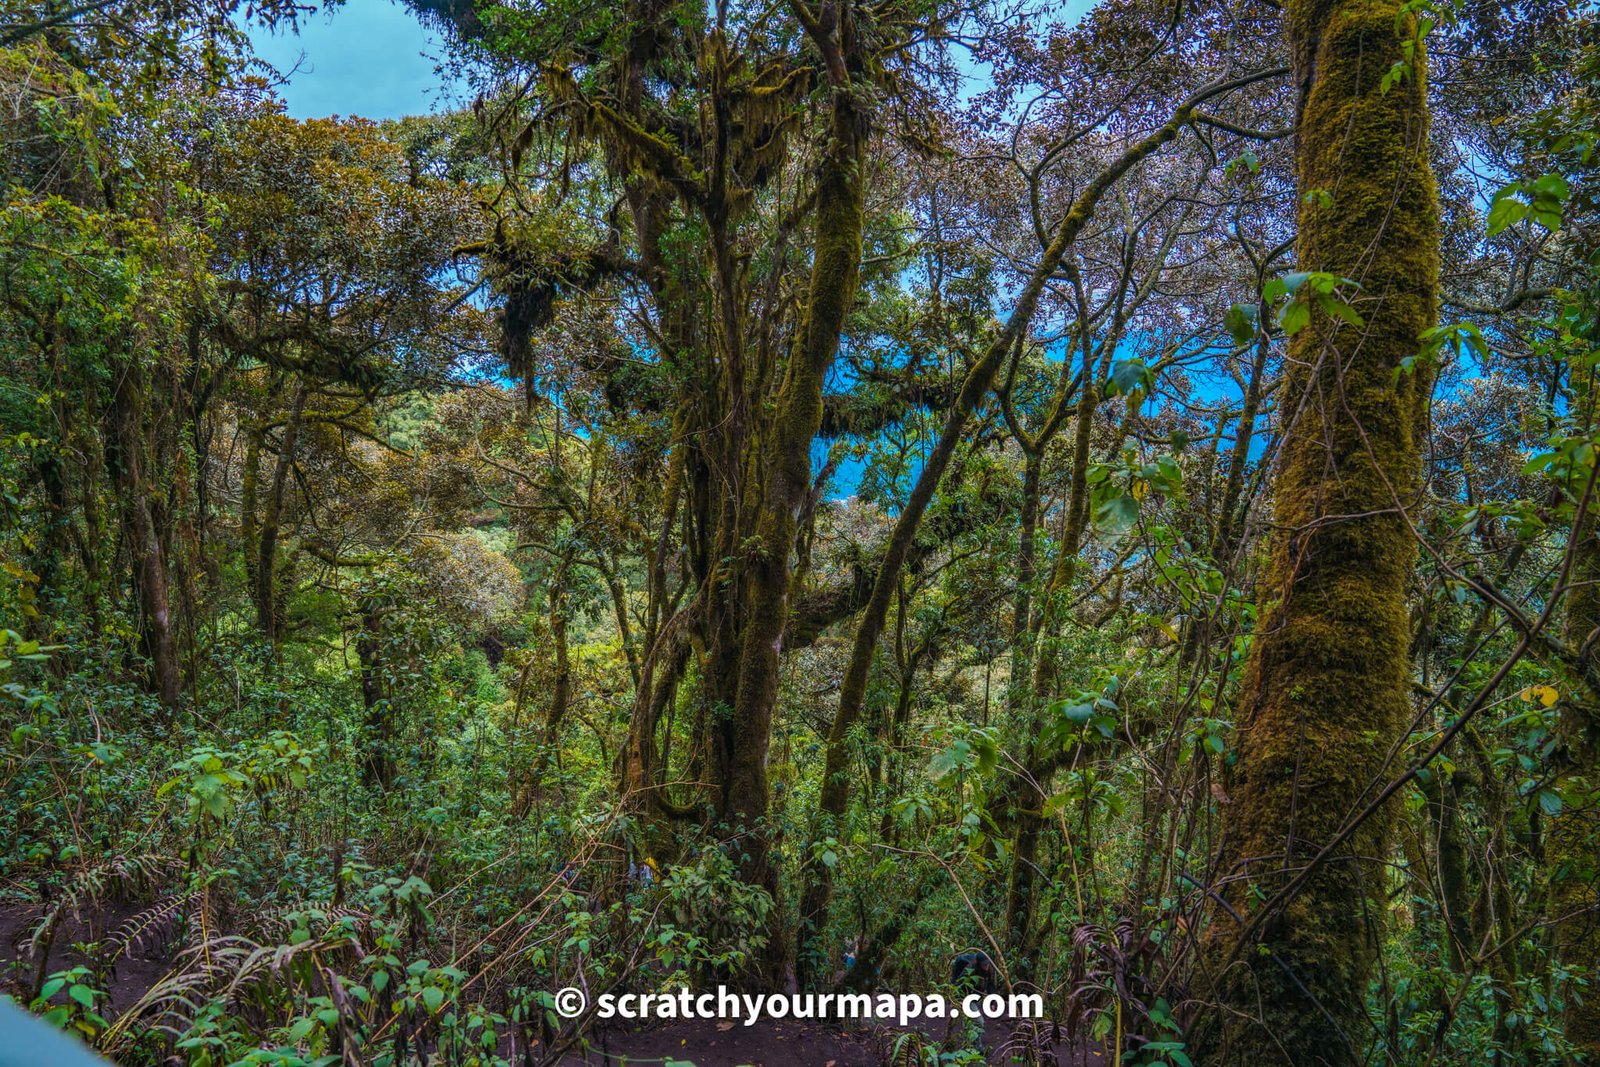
point(1301, 887)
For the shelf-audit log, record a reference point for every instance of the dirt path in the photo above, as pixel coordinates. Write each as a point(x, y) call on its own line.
point(787, 1044)
point(143, 964)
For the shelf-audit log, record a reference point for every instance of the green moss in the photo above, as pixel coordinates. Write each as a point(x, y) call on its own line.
point(1326, 690)
point(1574, 903)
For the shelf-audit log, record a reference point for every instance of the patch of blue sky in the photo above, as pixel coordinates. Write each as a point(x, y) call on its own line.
point(369, 58)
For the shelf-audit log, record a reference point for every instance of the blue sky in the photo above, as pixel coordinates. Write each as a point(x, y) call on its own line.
point(371, 58)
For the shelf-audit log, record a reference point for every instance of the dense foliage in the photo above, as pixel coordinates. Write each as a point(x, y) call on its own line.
point(780, 495)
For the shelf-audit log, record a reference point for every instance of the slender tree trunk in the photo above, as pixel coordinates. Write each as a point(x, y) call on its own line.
point(1443, 793)
point(841, 205)
point(93, 532)
point(144, 541)
point(1022, 888)
point(266, 570)
point(561, 687)
point(1327, 686)
point(1022, 599)
point(1223, 539)
point(377, 765)
point(249, 505)
point(1572, 847)
point(817, 878)
point(637, 757)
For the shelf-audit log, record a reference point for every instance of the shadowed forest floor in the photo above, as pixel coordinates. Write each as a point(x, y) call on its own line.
point(775, 1044)
point(704, 1043)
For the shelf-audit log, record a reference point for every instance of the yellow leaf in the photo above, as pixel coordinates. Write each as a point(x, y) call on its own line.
point(1544, 694)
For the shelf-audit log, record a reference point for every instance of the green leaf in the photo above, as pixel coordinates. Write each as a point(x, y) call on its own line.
point(1540, 462)
point(1339, 309)
point(1505, 211)
point(1394, 76)
point(1116, 515)
point(1296, 316)
point(1240, 322)
point(1294, 280)
point(1553, 186)
point(1076, 713)
point(987, 751)
point(949, 760)
point(1128, 375)
point(433, 998)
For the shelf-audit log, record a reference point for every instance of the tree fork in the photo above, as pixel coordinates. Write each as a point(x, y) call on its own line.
point(835, 795)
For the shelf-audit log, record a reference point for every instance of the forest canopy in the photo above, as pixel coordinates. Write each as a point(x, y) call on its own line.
point(814, 496)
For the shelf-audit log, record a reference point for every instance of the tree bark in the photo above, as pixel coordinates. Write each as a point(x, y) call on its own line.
point(836, 263)
point(1326, 692)
point(144, 541)
point(377, 764)
point(1571, 845)
point(561, 688)
point(265, 588)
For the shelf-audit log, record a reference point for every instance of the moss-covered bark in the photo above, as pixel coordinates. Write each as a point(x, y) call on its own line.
point(377, 761)
point(145, 545)
point(836, 264)
point(561, 684)
point(1449, 862)
point(1326, 689)
point(266, 586)
point(1571, 845)
point(1575, 908)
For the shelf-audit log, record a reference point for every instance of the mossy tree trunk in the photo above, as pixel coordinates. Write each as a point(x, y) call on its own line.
point(561, 683)
point(836, 265)
point(377, 759)
point(266, 587)
point(150, 583)
point(1573, 839)
point(1326, 689)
